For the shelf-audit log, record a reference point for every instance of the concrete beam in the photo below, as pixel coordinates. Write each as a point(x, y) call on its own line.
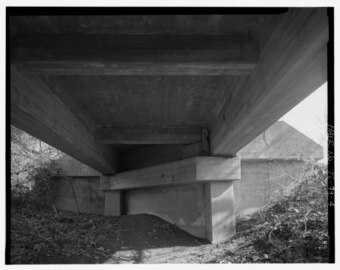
point(192, 170)
point(135, 54)
point(148, 135)
point(293, 64)
point(41, 113)
point(158, 154)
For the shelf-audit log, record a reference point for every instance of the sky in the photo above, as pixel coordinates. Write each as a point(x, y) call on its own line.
point(310, 116)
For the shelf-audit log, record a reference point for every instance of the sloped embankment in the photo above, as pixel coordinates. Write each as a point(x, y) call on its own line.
point(293, 229)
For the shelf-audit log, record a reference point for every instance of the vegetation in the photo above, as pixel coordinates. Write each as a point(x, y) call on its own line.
point(27, 154)
point(38, 235)
point(31, 169)
point(293, 229)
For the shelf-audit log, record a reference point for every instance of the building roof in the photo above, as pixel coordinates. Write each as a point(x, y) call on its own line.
point(281, 141)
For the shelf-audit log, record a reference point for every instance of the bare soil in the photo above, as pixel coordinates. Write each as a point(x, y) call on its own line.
point(42, 237)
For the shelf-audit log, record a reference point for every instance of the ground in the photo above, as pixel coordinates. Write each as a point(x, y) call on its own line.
point(68, 238)
point(45, 237)
point(293, 229)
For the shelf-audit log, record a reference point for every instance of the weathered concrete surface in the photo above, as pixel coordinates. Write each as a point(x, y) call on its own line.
point(87, 195)
point(263, 180)
point(36, 109)
point(65, 111)
point(293, 64)
point(191, 170)
point(113, 206)
point(72, 167)
point(217, 168)
point(220, 215)
point(203, 210)
point(269, 163)
point(195, 193)
point(163, 135)
point(281, 140)
point(183, 205)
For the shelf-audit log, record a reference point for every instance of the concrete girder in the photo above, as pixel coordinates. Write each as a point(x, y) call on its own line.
point(148, 135)
point(135, 54)
point(293, 64)
point(186, 171)
point(39, 111)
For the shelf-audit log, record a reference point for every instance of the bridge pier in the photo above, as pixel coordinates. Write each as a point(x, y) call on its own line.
point(220, 216)
point(196, 194)
point(112, 205)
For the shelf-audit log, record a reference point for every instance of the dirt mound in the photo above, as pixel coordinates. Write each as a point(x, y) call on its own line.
point(42, 237)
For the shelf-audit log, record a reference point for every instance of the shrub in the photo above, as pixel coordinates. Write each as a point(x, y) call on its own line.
point(19, 193)
point(293, 228)
point(40, 180)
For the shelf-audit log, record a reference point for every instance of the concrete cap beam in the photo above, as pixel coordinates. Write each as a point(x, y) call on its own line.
point(187, 171)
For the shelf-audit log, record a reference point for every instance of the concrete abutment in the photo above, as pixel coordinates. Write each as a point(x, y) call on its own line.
point(196, 194)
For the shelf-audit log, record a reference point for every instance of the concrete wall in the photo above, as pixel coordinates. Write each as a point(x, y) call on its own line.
point(205, 210)
point(183, 205)
point(281, 141)
point(261, 181)
point(72, 167)
point(89, 197)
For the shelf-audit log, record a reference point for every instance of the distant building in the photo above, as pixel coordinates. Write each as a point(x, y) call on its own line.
point(270, 162)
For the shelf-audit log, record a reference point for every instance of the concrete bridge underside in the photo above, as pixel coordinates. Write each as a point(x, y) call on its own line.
point(164, 100)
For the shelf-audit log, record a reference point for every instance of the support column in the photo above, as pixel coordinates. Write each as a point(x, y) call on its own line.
point(220, 214)
point(113, 198)
point(113, 205)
